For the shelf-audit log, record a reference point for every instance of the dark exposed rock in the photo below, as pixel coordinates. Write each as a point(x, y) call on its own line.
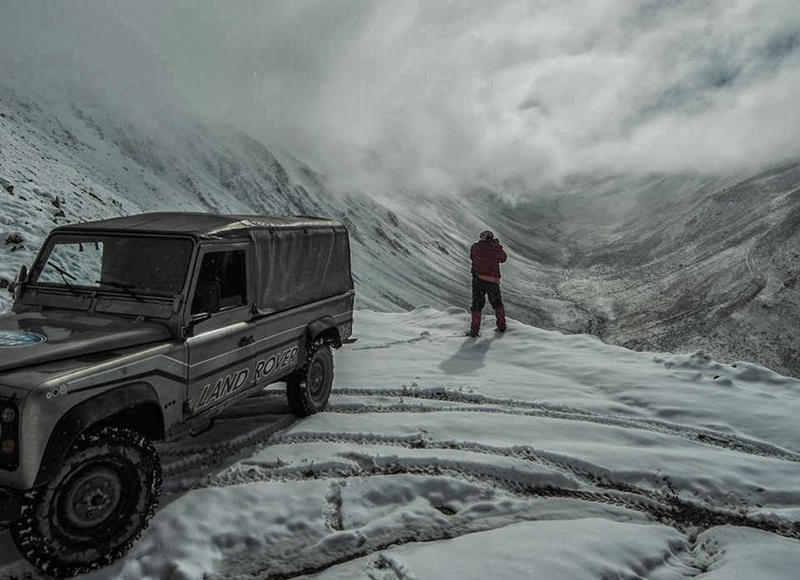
point(8, 186)
point(14, 239)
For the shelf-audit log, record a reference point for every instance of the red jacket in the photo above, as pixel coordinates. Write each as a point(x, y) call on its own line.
point(486, 259)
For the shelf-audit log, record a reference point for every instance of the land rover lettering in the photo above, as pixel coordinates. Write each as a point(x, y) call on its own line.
point(223, 388)
point(266, 367)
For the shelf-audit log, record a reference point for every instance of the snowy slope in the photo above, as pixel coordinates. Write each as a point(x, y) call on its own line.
point(529, 454)
point(692, 263)
point(94, 158)
point(662, 263)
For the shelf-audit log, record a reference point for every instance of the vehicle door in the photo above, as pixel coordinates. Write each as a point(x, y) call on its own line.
point(223, 331)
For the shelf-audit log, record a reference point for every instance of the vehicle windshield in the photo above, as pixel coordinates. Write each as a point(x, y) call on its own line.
point(130, 265)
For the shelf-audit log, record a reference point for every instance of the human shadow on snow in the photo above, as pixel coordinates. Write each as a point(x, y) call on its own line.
point(469, 357)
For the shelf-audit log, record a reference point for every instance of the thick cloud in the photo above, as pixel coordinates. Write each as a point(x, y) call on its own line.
point(440, 94)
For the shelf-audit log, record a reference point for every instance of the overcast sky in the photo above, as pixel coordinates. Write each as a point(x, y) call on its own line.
point(447, 94)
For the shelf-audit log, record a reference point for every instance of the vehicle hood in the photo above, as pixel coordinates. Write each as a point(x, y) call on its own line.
point(38, 337)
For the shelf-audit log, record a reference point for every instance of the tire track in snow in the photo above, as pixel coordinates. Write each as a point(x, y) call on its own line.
point(665, 509)
point(345, 546)
point(333, 508)
point(182, 459)
point(341, 547)
point(177, 459)
point(382, 567)
point(482, 404)
point(422, 337)
point(576, 469)
point(581, 472)
point(668, 509)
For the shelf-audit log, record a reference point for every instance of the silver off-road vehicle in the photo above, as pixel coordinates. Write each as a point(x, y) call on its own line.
point(143, 328)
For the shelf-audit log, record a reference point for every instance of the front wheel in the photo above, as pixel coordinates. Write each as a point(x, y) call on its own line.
point(308, 389)
point(96, 506)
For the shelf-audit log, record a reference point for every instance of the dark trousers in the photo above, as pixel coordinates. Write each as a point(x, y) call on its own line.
point(482, 288)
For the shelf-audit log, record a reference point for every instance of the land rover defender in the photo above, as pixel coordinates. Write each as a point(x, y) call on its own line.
point(139, 329)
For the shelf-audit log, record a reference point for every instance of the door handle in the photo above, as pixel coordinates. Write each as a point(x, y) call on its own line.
point(246, 340)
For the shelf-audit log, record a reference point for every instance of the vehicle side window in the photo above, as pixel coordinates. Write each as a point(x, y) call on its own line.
point(222, 282)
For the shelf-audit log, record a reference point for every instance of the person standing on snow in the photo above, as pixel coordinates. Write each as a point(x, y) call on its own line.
point(487, 255)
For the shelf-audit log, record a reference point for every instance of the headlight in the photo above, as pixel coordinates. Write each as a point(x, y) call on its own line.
point(8, 415)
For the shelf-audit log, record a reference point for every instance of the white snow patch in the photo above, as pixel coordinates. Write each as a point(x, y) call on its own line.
point(509, 456)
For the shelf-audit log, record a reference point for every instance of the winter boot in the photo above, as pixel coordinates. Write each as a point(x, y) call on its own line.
point(500, 314)
point(475, 327)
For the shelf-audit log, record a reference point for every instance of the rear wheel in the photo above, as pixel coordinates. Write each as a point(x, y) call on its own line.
point(309, 388)
point(95, 508)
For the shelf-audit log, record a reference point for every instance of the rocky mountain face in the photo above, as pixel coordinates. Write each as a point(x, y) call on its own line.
point(676, 263)
point(690, 264)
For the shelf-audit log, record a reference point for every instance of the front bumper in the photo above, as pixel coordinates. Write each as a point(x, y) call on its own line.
point(10, 506)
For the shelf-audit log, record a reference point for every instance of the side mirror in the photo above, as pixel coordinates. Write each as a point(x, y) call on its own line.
point(18, 285)
point(177, 300)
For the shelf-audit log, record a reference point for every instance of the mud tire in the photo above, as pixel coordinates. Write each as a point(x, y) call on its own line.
point(308, 388)
point(96, 506)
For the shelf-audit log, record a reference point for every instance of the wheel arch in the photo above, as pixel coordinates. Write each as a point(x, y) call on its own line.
point(324, 328)
point(135, 405)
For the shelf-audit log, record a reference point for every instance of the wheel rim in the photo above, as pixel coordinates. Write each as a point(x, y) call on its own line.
point(316, 379)
point(92, 498)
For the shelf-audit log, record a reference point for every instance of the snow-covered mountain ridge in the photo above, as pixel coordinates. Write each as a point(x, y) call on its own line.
point(658, 263)
point(690, 263)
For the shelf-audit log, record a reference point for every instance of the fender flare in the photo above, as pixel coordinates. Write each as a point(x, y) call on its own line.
point(326, 327)
point(83, 416)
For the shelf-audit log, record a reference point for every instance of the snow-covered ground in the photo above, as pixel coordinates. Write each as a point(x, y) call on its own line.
point(529, 454)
